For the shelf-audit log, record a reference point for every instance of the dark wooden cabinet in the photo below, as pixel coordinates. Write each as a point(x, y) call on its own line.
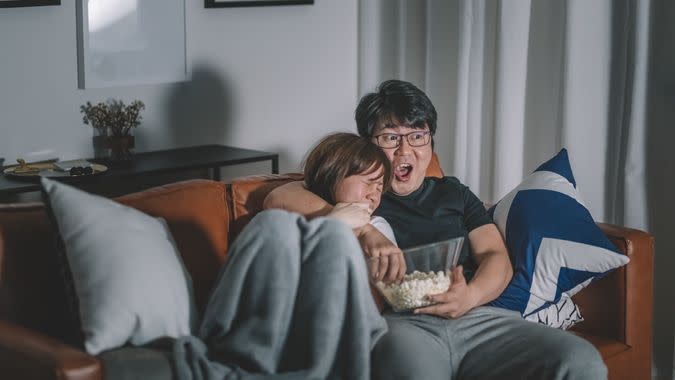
point(211, 157)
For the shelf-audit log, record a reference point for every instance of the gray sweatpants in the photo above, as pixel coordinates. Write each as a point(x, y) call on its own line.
point(292, 302)
point(486, 343)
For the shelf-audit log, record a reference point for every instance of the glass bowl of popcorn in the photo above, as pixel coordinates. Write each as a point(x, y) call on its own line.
point(428, 271)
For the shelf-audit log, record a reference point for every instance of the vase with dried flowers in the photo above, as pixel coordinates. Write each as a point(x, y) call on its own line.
point(113, 122)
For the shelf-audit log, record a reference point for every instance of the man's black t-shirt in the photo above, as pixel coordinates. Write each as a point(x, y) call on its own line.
point(442, 208)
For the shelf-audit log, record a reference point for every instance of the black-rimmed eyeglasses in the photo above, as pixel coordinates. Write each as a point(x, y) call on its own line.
point(393, 140)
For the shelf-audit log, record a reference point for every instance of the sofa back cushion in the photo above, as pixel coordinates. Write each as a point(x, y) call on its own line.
point(248, 194)
point(31, 289)
point(434, 169)
point(199, 219)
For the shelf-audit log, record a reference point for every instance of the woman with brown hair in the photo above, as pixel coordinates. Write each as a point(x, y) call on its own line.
point(293, 299)
point(350, 173)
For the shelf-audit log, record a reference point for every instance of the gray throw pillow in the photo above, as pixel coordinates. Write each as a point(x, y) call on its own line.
point(129, 281)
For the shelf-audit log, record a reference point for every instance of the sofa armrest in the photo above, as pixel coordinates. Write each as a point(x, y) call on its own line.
point(25, 354)
point(639, 277)
point(619, 306)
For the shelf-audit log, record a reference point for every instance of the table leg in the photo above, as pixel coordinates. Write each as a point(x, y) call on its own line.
point(215, 173)
point(275, 165)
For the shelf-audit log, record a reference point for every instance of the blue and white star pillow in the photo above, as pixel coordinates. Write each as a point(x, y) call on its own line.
point(554, 245)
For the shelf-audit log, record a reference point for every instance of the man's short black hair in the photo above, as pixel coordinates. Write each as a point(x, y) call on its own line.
point(395, 101)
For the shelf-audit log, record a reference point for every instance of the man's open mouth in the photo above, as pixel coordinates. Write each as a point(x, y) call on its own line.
point(402, 172)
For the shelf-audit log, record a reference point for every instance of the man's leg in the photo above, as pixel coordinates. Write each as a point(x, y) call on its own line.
point(415, 347)
point(499, 344)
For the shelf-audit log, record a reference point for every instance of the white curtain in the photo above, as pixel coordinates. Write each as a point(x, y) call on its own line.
point(516, 80)
point(513, 81)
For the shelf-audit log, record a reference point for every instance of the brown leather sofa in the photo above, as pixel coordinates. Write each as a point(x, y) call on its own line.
point(204, 216)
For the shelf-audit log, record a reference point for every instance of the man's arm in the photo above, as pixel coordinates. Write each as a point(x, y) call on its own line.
point(494, 267)
point(493, 274)
point(293, 196)
point(389, 264)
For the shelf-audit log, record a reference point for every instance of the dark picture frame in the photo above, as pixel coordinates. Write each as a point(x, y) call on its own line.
point(27, 3)
point(252, 3)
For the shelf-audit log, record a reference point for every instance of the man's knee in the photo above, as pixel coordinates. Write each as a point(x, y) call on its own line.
point(405, 352)
point(574, 358)
point(583, 361)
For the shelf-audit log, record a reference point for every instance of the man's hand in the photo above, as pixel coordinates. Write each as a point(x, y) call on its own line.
point(355, 215)
point(493, 274)
point(385, 259)
point(457, 301)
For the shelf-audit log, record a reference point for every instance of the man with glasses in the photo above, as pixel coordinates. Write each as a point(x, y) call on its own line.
point(457, 337)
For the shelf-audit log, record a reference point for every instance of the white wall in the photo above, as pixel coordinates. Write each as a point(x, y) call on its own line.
point(269, 78)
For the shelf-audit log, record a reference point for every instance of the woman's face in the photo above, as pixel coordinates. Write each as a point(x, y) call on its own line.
point(361, 188)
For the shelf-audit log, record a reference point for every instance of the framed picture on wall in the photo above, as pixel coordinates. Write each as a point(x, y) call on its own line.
point(252, 3)
point(130, 42)
point(27, 3)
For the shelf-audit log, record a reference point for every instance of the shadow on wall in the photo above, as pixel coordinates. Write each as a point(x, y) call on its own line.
point(201, 111)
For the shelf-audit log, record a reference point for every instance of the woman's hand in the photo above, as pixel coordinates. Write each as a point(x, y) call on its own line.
point(355, 215)
point(385, 259)
point(455, 302)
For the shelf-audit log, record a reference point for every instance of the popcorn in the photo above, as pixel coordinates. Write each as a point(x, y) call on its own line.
point(411, 292)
